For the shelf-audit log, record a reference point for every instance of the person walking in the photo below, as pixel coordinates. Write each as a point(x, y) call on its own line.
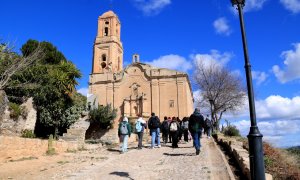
point(154, 126)
point(174, 131)
point(196, 124)
point(165, 130)
point(140, 126)
point(169, 122)
point(208, 125)
point(185, 129)
point(180, 131)
point(124, 133)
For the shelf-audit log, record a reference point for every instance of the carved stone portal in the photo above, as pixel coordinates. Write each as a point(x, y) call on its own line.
point(136, 103)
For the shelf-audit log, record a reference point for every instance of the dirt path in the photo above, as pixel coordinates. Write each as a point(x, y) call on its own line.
point(158, 163)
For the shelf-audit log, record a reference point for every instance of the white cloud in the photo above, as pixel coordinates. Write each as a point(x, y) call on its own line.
point(172, 61)
point(84, 91)
point(260, 77)
point(252, 5)
point(291, 5)
point(214, 57)
point(274, 132)
point(291, 71)
point(151, 7)
point(277, 107)
point(221, 26)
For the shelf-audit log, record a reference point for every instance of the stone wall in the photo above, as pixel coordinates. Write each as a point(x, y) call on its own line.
point(13, 148)
point(14, 127)
point(241, 155)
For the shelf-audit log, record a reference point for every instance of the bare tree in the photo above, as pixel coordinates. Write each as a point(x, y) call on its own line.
point(10, 62)
point(221, 90)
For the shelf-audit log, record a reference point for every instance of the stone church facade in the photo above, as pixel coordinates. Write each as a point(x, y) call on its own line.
point(139, 88)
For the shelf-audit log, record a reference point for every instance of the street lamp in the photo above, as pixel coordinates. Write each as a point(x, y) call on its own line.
point(257, 168)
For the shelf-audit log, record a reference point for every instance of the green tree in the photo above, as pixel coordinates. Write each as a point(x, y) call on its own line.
point(51, 82)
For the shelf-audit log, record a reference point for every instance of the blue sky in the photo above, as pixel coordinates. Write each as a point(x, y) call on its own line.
point(182, 32)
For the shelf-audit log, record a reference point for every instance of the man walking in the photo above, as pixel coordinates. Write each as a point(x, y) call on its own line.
point(154, 126)
point(165, 130)
point(208, 125)
point(140, 126)
point(196, 124)
point(124, 132)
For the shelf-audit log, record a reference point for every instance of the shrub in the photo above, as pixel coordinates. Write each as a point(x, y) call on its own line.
point(51, 150)
point(104, 115)
point(231, 131)
point(15, 110)
point(28, 133)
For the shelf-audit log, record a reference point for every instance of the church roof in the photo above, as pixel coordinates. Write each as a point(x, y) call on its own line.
point(108, 14)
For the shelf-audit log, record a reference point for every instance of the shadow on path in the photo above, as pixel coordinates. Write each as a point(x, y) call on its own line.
point(121, 174)
point(179, 154)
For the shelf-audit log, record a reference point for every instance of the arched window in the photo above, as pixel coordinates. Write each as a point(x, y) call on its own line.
point(103, 57)
point(106, 22)
point(106, 31)
point(103, 65)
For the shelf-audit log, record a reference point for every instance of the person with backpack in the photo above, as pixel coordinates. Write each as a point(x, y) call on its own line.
point(196, 124)
point(185, 129)
point(124, 133)
point(154, 126)
point(208, 125)
point(140, 126)
point(174, 131)
point(165, 130)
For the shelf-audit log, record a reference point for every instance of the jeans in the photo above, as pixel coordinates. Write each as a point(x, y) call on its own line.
point(196, 138)
point(125, 143)
point(140, 136)
point(155, 135)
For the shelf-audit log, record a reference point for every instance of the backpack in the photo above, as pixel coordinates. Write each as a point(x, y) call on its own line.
point(165, 126)
point(173, 126)
point(154, 122)
point(185, 125)
point(138, 126)
point(208, 123)
point(124, 129)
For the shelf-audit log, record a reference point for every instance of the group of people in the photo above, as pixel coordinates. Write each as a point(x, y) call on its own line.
point(172, 129)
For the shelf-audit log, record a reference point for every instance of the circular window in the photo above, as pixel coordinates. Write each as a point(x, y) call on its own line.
point(103, 65)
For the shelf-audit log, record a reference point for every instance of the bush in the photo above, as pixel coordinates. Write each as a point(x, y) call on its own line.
point(104, 115)
point(28, 133)
point(15, 110)
point(231, 131)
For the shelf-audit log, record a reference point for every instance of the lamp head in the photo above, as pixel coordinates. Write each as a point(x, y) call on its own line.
point(236, 2)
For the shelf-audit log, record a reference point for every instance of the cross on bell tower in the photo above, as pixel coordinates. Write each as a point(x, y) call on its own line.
point(108, 48)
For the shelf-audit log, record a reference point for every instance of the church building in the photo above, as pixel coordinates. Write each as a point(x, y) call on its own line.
point(139, 88)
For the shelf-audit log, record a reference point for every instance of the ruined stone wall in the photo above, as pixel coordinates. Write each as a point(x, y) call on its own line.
point(13, 148)
point(240, 154)
point(14, 127)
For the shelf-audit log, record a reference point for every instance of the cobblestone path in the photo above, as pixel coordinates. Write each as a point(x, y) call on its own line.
point(162, 163)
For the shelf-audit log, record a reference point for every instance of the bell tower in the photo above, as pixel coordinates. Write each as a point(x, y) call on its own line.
point(108, 48)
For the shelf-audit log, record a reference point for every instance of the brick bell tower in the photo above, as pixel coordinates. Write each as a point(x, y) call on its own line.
point(108, 48)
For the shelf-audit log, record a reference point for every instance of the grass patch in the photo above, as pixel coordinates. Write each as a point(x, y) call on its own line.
point(62, 162)
point(71, 151)
point(23, 159)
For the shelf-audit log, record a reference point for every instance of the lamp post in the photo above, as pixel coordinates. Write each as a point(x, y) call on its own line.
point(257, 168)
point(211, 111)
